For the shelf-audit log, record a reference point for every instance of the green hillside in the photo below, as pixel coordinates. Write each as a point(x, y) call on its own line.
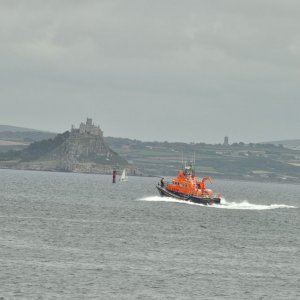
point(263, 161)
point(293, 144)
point(239, 160)
point(16, 138)
point(15, 128)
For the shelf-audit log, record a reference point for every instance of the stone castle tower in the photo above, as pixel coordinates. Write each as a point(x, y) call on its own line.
point(86, 144)
point(87, 128)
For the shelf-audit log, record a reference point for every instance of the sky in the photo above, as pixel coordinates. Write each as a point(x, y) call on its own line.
point(153, 70)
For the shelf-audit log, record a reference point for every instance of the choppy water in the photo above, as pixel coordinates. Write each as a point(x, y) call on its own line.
point(75, 236)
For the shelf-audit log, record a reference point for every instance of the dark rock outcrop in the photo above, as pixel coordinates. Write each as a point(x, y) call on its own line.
point(79, 150)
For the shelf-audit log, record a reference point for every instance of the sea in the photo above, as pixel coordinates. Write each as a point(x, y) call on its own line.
point(79, 236)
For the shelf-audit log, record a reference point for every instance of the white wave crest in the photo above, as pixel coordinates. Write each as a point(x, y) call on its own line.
point(250, 206)
point(244, 205)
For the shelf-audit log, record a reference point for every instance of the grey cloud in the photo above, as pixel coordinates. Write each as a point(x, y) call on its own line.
point(225, 60)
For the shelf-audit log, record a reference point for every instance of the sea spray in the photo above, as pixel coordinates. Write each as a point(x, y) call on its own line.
point(244, 205)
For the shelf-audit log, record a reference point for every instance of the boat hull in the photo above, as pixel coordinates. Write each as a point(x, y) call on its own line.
point(201, 200)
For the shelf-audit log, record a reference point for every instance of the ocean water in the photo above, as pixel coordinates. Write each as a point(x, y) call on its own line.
point(78, 236)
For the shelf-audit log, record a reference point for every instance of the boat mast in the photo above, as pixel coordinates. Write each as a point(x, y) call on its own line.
point(194, 165)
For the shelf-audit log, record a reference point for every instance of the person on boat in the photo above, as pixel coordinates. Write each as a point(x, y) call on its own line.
point(162, 182)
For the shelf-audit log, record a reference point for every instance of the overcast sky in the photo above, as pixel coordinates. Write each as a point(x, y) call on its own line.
point(154, 70)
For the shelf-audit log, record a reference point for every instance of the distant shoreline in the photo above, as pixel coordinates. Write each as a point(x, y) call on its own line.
point(228, 178)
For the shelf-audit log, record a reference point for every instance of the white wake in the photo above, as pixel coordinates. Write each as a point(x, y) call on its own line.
point(250, 206)
point(244, 205)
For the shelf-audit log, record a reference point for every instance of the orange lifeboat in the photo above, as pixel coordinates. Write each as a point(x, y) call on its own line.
point(187, 187)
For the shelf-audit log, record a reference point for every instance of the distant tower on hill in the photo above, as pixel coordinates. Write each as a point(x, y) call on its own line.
point(226, 141)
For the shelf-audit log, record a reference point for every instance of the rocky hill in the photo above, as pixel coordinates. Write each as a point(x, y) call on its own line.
point(79, 150)
point(86, 150)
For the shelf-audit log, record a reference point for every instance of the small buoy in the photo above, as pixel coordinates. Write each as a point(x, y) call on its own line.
point(114, 176)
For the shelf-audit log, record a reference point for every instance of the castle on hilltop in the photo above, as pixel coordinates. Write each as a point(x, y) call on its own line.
point(87, 128)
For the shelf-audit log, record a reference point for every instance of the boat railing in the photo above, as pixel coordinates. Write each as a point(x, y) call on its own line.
point(164, 184)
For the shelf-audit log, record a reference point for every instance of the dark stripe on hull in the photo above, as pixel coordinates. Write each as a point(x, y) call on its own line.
point(205, 201)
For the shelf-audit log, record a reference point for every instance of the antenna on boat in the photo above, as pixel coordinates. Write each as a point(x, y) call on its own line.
point(194, 164)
